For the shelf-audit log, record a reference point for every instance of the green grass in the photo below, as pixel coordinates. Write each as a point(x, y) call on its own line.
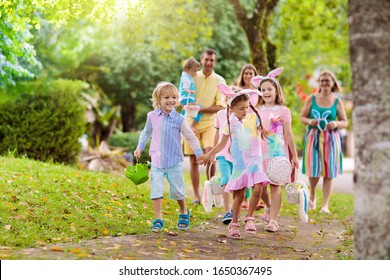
point(46, 203)
point(43, 203)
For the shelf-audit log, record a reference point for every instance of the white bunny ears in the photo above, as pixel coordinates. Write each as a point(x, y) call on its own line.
point(271, 75)
point(227, 91)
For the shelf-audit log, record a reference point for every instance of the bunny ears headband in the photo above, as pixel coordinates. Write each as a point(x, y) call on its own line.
point(271, 75)
point(227, 91)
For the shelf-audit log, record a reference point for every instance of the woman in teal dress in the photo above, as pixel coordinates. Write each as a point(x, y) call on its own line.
point(324, 113)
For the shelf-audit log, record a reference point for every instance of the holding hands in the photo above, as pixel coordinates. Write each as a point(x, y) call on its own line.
point(204, 159)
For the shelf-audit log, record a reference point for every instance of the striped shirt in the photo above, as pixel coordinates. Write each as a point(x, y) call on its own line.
point(166, 148)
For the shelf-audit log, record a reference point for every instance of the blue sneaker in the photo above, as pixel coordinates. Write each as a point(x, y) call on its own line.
point(227, 218)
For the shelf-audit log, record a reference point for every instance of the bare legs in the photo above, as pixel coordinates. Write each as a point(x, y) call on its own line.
point(327, 192)
point(313, 184)
point(276, 201)
point(157, 206)
point(255, 198)
point(238, 199)
point(194, 173)
point(226, 200)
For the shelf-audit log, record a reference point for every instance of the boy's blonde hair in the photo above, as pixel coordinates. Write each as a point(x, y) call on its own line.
point(189, 63)
point(162, 89)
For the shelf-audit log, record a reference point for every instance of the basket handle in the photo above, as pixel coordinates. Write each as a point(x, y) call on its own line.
point(209, 171)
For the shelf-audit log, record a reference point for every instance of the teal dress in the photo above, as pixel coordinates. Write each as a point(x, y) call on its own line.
point(322, 154)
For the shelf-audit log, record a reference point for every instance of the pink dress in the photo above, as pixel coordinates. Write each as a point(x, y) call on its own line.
point(246, 153)
point(275, 144)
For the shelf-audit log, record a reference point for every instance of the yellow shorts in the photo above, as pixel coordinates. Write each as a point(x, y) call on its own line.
point(205, 136)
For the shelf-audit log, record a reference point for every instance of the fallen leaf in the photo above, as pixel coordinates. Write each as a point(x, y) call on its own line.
point(191, 241)
point(222, 240)
point(163, 249)
point(7, 227)
point(56, 249)
point(203, 250)
point(299, 250)
point(105, 231)
point(76, 250)
point(19, 217)
point(3, 248)
point(4, 256)
point(41, 243)
point(116, 247)
point(187, 251)
point(145, 253)
point(173, 243)
point(172, 233)
point(116, 202)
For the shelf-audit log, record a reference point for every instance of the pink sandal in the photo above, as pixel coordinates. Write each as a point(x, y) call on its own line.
point(250, 228)
point(272, 226)
point(266, 215)
point(234, 233)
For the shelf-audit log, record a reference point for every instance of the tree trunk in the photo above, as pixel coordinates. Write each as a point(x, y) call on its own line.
point(370, 62)
point(128, 117)
point(256, 30)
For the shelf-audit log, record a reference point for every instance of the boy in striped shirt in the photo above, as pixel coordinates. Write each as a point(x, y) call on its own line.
point(164, 127)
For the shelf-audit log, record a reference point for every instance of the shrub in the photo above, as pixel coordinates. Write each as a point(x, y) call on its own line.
point(43, 121)
point(129, 140)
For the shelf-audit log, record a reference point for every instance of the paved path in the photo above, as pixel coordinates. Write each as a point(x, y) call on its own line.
point(322, 239)
point(342, 183)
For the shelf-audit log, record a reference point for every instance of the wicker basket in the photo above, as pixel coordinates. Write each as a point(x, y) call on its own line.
point(215, 183)
point(278, 170)
point(298, 193)
point(191, 111)
point(292, 191)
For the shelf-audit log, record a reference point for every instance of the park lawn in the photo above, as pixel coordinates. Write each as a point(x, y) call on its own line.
point(45, 203)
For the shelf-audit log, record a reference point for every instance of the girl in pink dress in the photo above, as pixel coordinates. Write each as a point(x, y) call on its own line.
point(243, 128)
point(280, 139)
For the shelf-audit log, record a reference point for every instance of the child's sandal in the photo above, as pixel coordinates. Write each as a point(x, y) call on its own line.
point(266, 215)
point(272, 226)
point(234, 233)
point(184, 220)
point(250, 228)
point(157, 225)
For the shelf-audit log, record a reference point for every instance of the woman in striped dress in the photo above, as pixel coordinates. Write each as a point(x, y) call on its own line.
point(324, 113)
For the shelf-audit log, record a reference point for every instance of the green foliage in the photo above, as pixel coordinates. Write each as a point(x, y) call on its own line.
point(228, 39)
point(129, 140)
point(18, 19)
point(43, 121)
point(312, 36)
